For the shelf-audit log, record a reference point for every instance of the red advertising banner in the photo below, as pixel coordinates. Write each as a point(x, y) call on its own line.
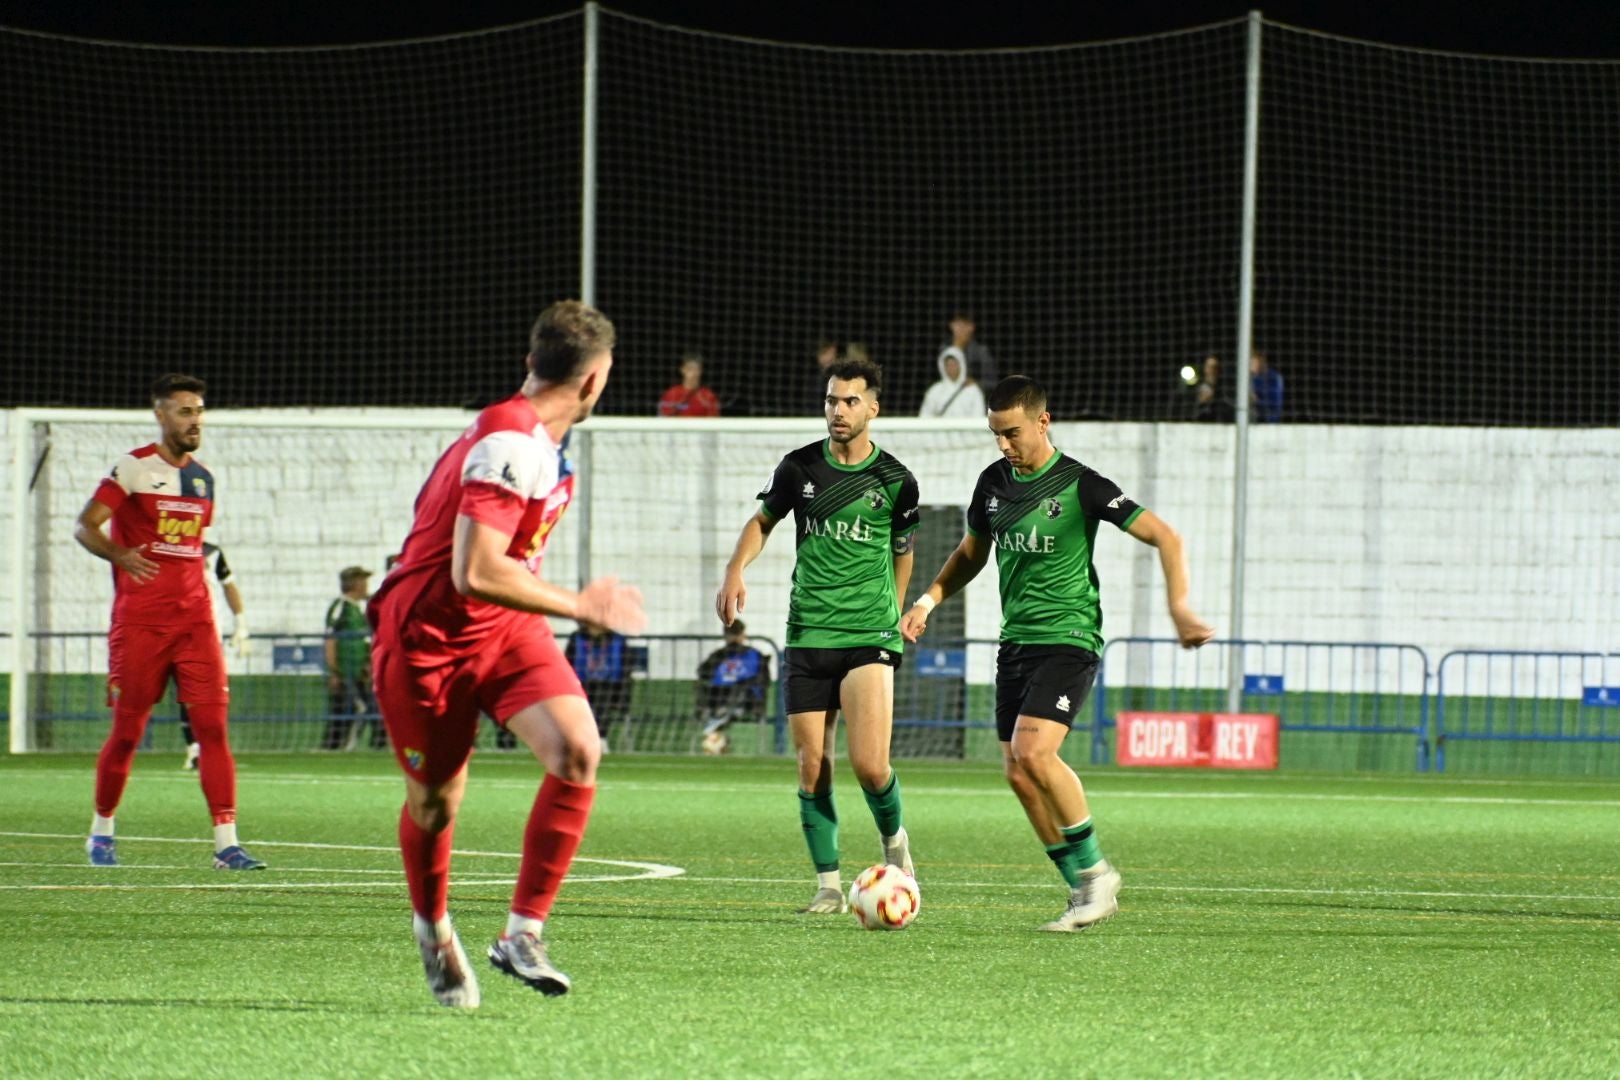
point(1197, 740)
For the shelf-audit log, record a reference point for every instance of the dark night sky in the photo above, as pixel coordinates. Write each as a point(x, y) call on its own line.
point(1562, 28)
point(1458, 221)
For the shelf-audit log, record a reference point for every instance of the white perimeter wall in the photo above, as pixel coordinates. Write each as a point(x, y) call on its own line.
point(1440, 537)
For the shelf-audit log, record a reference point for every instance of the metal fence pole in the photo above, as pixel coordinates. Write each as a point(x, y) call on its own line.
point(587, 174)
point(1240, 363)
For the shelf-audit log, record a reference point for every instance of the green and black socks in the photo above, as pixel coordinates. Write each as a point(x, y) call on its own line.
point(1077, 851)
point(819, 817)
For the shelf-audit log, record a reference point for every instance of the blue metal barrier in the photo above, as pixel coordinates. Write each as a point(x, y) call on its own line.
point(1315, 686)
point(1509, 695)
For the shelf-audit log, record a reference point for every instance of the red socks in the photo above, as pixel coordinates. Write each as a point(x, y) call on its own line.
point(556, 826)
point(215, 768)
point(112, 764)
point(427, 866)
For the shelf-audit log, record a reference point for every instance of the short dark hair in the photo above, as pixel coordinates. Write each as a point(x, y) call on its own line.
point(858, 369)
point(565, 336)
point(1017, 392)
point(737, 628)
point(166, 386)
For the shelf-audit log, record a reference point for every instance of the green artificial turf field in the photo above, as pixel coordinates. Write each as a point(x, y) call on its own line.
point(1272, 925)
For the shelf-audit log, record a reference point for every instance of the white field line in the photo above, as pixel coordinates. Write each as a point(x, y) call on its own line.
point(912, 790)
point(647, 871)
point(659, 871)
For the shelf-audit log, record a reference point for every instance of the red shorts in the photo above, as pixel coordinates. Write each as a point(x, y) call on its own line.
point(140, 660)
point(431, 708)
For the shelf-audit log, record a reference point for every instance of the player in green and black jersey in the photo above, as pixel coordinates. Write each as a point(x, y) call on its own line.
point(1039, 509)
point(855, 509)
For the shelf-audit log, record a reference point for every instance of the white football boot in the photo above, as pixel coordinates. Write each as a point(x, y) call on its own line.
point(1092, 901)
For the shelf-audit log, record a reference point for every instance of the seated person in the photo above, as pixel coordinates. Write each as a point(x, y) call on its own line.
point(600, 659)
point(731, 684)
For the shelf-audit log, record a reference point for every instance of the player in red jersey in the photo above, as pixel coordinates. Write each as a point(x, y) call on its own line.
point(461, 629)
point(159, 499)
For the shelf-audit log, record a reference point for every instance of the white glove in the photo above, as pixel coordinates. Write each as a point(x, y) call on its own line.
point(239, 638)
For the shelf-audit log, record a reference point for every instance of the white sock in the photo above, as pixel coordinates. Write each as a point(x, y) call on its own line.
point(101, 826)
point(829, 879)
point(224, 836)
point(521, 924)
point(439, 932)
point(890, 841)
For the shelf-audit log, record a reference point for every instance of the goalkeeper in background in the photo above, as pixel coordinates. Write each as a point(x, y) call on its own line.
point(1039, 509)
point(215, 555)
point(158, 500)
point(856, 511)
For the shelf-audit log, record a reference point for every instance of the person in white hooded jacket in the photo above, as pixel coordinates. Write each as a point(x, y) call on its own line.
point(955, 396)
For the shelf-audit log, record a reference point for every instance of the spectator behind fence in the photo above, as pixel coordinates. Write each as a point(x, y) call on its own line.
point(826, 355)
point(689, 397)
point(981, 366)
point(1212, 398)
point(732, 684)
point(349, 701)
point(1266, 385)
point(954, 396)
point(600, 660)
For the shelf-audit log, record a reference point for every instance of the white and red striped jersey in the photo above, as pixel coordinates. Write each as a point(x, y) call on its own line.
point(505, 472)
point(165, 508)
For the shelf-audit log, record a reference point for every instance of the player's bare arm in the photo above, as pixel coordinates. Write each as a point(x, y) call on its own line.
point(962, 567)
point(905, 559)
point(1156, 532)
point(90, 534)
point(728, 602)
point(480, 568)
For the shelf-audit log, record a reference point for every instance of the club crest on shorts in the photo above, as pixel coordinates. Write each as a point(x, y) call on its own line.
point(413, 757)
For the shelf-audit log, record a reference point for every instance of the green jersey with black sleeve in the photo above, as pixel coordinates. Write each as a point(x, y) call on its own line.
point(1043, 527)
point(850, 522)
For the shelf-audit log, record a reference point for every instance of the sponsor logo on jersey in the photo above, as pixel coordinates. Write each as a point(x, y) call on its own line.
point(199, 487)
point(508, 477)
point(1031, 541)
point(809, 489)
point(1063, 702)
point(1054, 509)
point(875, 499)
point(1113, 504)
point(993, 505)
point(157, 485)
point(858, 531)
point(770, 481)
point(910, 513)
point(173, 528)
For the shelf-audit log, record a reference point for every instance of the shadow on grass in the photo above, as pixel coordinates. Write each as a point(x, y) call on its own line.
point(1538, 915)
point(200, 1003)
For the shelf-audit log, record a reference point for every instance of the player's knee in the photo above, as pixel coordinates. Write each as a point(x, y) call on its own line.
point(872, 775)
point(1032, 760)
point(432, 814)
point(577, 761)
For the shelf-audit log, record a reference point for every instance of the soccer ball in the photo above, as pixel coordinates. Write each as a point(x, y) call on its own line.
point(884, 898)
point(716, 743)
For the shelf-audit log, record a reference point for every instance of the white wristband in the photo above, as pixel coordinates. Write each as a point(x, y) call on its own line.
point(925, 602)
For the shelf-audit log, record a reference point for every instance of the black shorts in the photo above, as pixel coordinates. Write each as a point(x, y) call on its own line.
point(1049, 682)
point(813, 675)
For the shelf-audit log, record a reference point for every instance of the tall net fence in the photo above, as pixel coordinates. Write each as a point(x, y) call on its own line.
point(1081, 203)
point(379, 225)
point(1436, 235)
point(303, 226)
